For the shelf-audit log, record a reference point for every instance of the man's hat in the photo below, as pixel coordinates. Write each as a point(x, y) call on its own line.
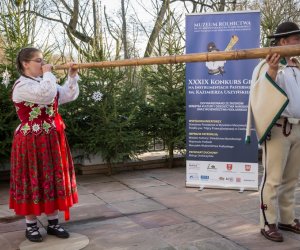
point(285, 29)
point(211, 47)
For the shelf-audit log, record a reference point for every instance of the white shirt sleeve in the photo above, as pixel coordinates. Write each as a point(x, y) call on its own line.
point(40, 91)
point(69, 91)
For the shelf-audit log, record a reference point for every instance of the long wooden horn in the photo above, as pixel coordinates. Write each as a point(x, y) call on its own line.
point(290, 50)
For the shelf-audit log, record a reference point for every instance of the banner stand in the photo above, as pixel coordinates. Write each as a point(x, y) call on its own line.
point(217, 94)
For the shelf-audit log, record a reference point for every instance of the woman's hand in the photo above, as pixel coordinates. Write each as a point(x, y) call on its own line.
point(47, 68)
point(72, 71)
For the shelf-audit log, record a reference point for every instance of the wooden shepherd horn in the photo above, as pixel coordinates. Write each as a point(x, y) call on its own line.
point(290, 50)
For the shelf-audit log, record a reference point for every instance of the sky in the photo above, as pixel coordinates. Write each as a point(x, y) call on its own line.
point(145, 11)
point(113, 8)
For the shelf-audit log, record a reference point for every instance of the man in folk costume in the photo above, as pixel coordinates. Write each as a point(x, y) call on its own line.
point(214, 67)
point(274, 105)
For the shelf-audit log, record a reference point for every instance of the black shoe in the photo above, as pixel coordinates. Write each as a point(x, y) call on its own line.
point(32, 233)
point(58, 231)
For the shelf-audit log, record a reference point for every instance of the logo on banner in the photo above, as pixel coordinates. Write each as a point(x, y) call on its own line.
point(217, 67)
point(229, 167)
point(211, 167)
point(204, 177)
point(238, 179)
point(193, 176)
point(249, 180)
point(247, 168)
point(230, 179)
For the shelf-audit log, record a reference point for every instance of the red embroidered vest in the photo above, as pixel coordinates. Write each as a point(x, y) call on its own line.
point(36, 118)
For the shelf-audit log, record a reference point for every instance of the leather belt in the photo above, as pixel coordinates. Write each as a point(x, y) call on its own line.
point(293, 120)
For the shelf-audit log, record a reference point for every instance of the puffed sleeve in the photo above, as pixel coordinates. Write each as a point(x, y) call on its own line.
point(41, 92)
point(69, 91)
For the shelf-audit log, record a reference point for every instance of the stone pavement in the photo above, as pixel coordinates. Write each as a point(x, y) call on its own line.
point(150, 209)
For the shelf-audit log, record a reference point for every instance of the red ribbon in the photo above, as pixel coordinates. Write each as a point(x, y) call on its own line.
point(60, 127)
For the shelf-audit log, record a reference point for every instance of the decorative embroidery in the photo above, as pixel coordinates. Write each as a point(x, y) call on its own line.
point(50, 111)
point(36, 127)
point(25, 128)
point(29, 104)
point(46, 126)
point(36, 118)
point(34, 113)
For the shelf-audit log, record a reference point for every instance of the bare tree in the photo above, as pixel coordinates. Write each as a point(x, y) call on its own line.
point(124, 29)
point(200, 6)
point(75, 18)
point(157, 27)
point(274, 12)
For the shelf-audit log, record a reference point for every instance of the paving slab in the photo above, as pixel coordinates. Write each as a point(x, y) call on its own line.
point(126, 175)
point(212, 244)
point(12, 240)
point(157, 191)
point(179, 200)
point(4, 191)
point(110, 227)
point(89, 199)
point(137, 206)
point(223, 195)
point(129, 241)
point(75, 242)
point(121, 195)
point(231, 225)
point(243, 205)
point(252, 215)
point(5, 211)
point(184, 233)
point(83, 212)
point(159, 218)
point(103, 187)
point(93, 178)
point(202, 212)
point(143, 182)
point(255, 241)
point(152, 209)
point(13, 223)
point(120, 233)
point(160, 172)
point(176, 181)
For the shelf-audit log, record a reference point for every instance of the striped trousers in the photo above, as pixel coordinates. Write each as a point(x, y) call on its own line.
point(281, 161)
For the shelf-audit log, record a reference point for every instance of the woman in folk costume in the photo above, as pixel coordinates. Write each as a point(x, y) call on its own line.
point(275, 105)
point(42, 171)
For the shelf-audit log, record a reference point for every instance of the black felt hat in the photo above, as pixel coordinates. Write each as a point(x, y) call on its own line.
point(211, 46)
point(285, 29)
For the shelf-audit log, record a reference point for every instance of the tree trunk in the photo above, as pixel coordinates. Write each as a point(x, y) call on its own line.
point(124, 30)
point(98, 43)
point(221, 5)
point(157, 27)
point(171, 155)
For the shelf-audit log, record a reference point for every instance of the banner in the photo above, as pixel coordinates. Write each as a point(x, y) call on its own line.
point(217, 96)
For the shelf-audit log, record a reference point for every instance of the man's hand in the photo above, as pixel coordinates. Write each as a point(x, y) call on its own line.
point(273, 61)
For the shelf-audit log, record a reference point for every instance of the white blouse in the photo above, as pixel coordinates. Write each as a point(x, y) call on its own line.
point(43, 90)
point(289, 80)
